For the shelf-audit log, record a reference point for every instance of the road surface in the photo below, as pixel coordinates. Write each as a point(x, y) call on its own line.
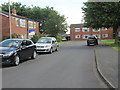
point(73, 66)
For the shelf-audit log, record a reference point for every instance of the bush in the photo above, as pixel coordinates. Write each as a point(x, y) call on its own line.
point(35, 38)
point(59, 38)
point(5, 37)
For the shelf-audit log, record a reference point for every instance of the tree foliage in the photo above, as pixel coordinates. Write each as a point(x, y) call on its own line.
point(50, 20)
point(102, 14)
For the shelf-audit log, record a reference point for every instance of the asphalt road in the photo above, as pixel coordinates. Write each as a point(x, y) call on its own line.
point(73, 66)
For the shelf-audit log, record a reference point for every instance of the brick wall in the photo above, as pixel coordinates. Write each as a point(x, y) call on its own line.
point(5, 26)
point(103, 33)
point(17, 30)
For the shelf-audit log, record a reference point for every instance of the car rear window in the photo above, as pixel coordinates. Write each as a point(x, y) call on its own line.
point(91, 38)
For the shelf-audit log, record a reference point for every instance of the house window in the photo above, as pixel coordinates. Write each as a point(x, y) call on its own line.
point(30, 23)
point(77, 29)
point(97, 35)
point(85, 30)
point(119, 34)
point(23, 36)
point(35, 24)
point(103, 28)
point(17, 21)
point(22, 23)
point(77, 36)
point(96, 30)
point(85, 36)
point(104, 35)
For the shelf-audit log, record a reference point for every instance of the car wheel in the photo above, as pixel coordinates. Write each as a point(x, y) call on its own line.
point(51, 50)
point(16, 60)
point(34, 55)
point(97, 43)
point(56, 49)
point(88, 44)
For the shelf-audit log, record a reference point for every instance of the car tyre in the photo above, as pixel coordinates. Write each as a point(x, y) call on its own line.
point(88, 44)
point(97, 43)
point(51, 50)
point(16, 60)
point(34, 55)
point(56, 49)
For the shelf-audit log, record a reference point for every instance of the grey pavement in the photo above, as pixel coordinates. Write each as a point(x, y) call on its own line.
point(107, 59)
point(73, 66)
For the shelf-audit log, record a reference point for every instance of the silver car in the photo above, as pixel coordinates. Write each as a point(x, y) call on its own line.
point(47, 44)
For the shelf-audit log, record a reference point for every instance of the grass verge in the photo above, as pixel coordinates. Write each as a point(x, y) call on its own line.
point(59, 43)
point(111, 42)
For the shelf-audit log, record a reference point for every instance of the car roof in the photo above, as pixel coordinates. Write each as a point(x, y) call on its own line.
point(53, 38)
point(17, 39)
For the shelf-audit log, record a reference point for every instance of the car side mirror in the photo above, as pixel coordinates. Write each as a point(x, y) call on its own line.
point(23, 47)
point(53, 42)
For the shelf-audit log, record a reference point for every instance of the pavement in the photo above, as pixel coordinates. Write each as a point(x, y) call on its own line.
point(107, 62)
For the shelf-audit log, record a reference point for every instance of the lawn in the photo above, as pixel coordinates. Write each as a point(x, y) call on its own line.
point(61, 43)
point(111, 43)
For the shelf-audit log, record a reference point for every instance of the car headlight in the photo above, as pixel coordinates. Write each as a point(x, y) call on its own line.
point(48, 46)
point(8, 54)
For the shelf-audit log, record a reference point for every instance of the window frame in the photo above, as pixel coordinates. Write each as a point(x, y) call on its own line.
point(22, 23)
point(76, 36)
point(76, 30)
point(105, 36)
point(83, 29)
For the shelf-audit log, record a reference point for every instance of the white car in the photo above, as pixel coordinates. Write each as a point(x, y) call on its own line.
point(47, 44)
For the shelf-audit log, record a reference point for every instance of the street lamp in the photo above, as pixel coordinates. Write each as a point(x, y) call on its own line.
point(10, 20)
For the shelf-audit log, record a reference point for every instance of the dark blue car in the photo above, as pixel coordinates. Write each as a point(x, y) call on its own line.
point(12, 51)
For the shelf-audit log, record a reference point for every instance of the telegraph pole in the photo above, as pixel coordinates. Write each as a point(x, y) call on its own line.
point(10, 21)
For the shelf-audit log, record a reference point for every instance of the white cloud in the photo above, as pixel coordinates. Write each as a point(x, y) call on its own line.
point(69, 8)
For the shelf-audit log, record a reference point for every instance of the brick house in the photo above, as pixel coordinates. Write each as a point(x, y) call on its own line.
point(21, 27)
point(80, 32)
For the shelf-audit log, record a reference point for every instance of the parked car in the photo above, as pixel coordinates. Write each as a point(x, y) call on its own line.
point(12, 51)
point(64, 39)
point(92, 40)
point(47, 44)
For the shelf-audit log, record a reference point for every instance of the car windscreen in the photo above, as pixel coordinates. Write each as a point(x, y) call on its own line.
point(44, 40)
point(10, 43)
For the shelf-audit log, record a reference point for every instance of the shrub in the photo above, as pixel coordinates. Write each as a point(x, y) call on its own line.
point(59, 38)
point(35, 38)
point(5, 37)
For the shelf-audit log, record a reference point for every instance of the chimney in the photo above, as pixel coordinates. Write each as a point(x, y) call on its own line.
point(14, 11)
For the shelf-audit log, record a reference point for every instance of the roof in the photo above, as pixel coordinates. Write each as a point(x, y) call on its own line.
point(17, 16)
point(76, 25)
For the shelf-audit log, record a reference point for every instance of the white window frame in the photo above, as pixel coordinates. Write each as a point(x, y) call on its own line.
point(30, 24)
point(103, 28)
point(97, 35)
point(35, 24)
point(84, 36)
point(22, 23)
point(77, 36)
point(96, 30)
point(17, 22)
point(105, 35)
point(85, 29)
point(119, 34)
point(77, 29)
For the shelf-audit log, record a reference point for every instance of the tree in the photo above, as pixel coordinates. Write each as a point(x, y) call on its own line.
point(102, 14)
point(55, 24)
point(50, 20)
